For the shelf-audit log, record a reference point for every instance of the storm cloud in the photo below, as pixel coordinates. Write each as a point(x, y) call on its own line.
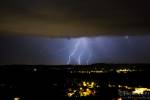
point(56, 18)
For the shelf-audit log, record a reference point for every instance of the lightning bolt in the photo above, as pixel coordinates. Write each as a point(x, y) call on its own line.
point(79, 60)
point(73, 52)
point(79, 51)
point(89, 57)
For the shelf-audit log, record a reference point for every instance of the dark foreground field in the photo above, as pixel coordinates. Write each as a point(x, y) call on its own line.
point(49, 82)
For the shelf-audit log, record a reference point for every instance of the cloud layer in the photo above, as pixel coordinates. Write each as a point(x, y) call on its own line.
point(74, 17)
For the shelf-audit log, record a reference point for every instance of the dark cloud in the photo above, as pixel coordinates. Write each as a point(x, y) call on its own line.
point(74, 17)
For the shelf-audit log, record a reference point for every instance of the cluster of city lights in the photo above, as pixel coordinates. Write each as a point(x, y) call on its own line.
point(16, 98)
point(92, 71)
point(120, 70)
point(140, 90)
point(83, 89)
point(134, 90)
point(124, 70)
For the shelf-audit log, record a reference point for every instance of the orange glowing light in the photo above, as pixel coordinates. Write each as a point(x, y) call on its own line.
point(16, 98)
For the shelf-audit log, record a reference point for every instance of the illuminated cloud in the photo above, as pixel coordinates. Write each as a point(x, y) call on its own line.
point(56, 51)
point(61, 18)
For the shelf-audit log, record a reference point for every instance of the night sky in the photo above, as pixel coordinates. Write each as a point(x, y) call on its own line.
point(84, 50)
point(74, 31)
point(60, 18)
